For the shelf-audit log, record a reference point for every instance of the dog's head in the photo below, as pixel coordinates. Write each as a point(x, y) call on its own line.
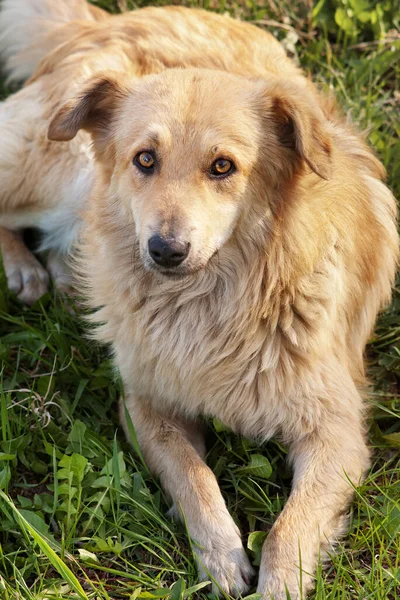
point(189, 152)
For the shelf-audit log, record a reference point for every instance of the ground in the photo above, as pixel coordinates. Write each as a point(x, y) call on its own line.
point(66, 471)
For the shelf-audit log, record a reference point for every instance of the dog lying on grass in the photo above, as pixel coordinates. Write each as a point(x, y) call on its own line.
point(237, 237)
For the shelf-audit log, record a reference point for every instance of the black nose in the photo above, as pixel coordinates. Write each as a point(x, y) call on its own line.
point(167, 252)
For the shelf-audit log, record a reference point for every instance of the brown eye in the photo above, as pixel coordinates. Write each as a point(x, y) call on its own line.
point(145, 161)
point(222, 167)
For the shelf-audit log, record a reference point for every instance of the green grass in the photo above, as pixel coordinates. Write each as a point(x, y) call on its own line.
point(81, 518)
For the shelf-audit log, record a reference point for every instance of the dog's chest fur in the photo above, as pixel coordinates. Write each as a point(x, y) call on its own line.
point(205, 347)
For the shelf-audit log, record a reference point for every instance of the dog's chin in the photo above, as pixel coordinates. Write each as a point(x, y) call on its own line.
point(174, 274)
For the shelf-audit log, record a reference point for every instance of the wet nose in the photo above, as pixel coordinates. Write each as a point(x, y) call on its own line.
point(167, 252)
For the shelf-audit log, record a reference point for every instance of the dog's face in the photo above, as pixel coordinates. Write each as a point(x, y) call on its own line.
point(183, 166)
point(189, 151)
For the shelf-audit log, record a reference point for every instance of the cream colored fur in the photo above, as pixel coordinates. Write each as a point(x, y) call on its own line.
point(291, 257)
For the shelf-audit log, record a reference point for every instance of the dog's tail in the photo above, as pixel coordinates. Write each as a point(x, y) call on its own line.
point(27, 30)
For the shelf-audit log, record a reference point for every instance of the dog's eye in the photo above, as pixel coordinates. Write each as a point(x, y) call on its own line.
point(222, 167)
point(145, 161)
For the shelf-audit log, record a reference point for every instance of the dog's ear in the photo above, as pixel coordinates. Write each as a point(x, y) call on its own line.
point(300, 125)
point(92, 110)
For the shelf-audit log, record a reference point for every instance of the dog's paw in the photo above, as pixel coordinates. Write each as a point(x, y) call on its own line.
point(60, 274)
point(229, 569)
point(276, 586)
point(28, 279)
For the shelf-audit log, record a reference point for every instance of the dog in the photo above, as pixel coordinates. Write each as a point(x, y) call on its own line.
point(236, 244)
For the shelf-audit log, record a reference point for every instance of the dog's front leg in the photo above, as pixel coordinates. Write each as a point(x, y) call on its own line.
point(171, 448)
point(326, 464)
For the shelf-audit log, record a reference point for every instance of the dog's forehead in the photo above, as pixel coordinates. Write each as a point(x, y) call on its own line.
point(190, 108)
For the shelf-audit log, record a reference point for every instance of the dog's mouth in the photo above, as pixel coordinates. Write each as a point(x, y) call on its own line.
point(177, 273)
point(172, 273)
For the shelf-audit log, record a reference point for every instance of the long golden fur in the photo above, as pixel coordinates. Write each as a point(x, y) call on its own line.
point(290, 258)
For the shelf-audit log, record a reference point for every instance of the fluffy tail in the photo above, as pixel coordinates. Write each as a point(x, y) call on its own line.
point(25, 28)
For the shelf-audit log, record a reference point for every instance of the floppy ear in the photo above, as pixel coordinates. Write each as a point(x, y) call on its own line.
point(92, 110)
point(300, 127)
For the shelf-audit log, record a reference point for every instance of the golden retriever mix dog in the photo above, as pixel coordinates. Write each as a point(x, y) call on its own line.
point(238, 240)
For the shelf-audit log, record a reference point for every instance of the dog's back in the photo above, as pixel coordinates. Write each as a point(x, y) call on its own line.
point(29, 29)
point(46, 34)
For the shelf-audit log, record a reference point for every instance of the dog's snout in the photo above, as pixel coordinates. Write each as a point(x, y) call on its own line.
point(167, 252)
